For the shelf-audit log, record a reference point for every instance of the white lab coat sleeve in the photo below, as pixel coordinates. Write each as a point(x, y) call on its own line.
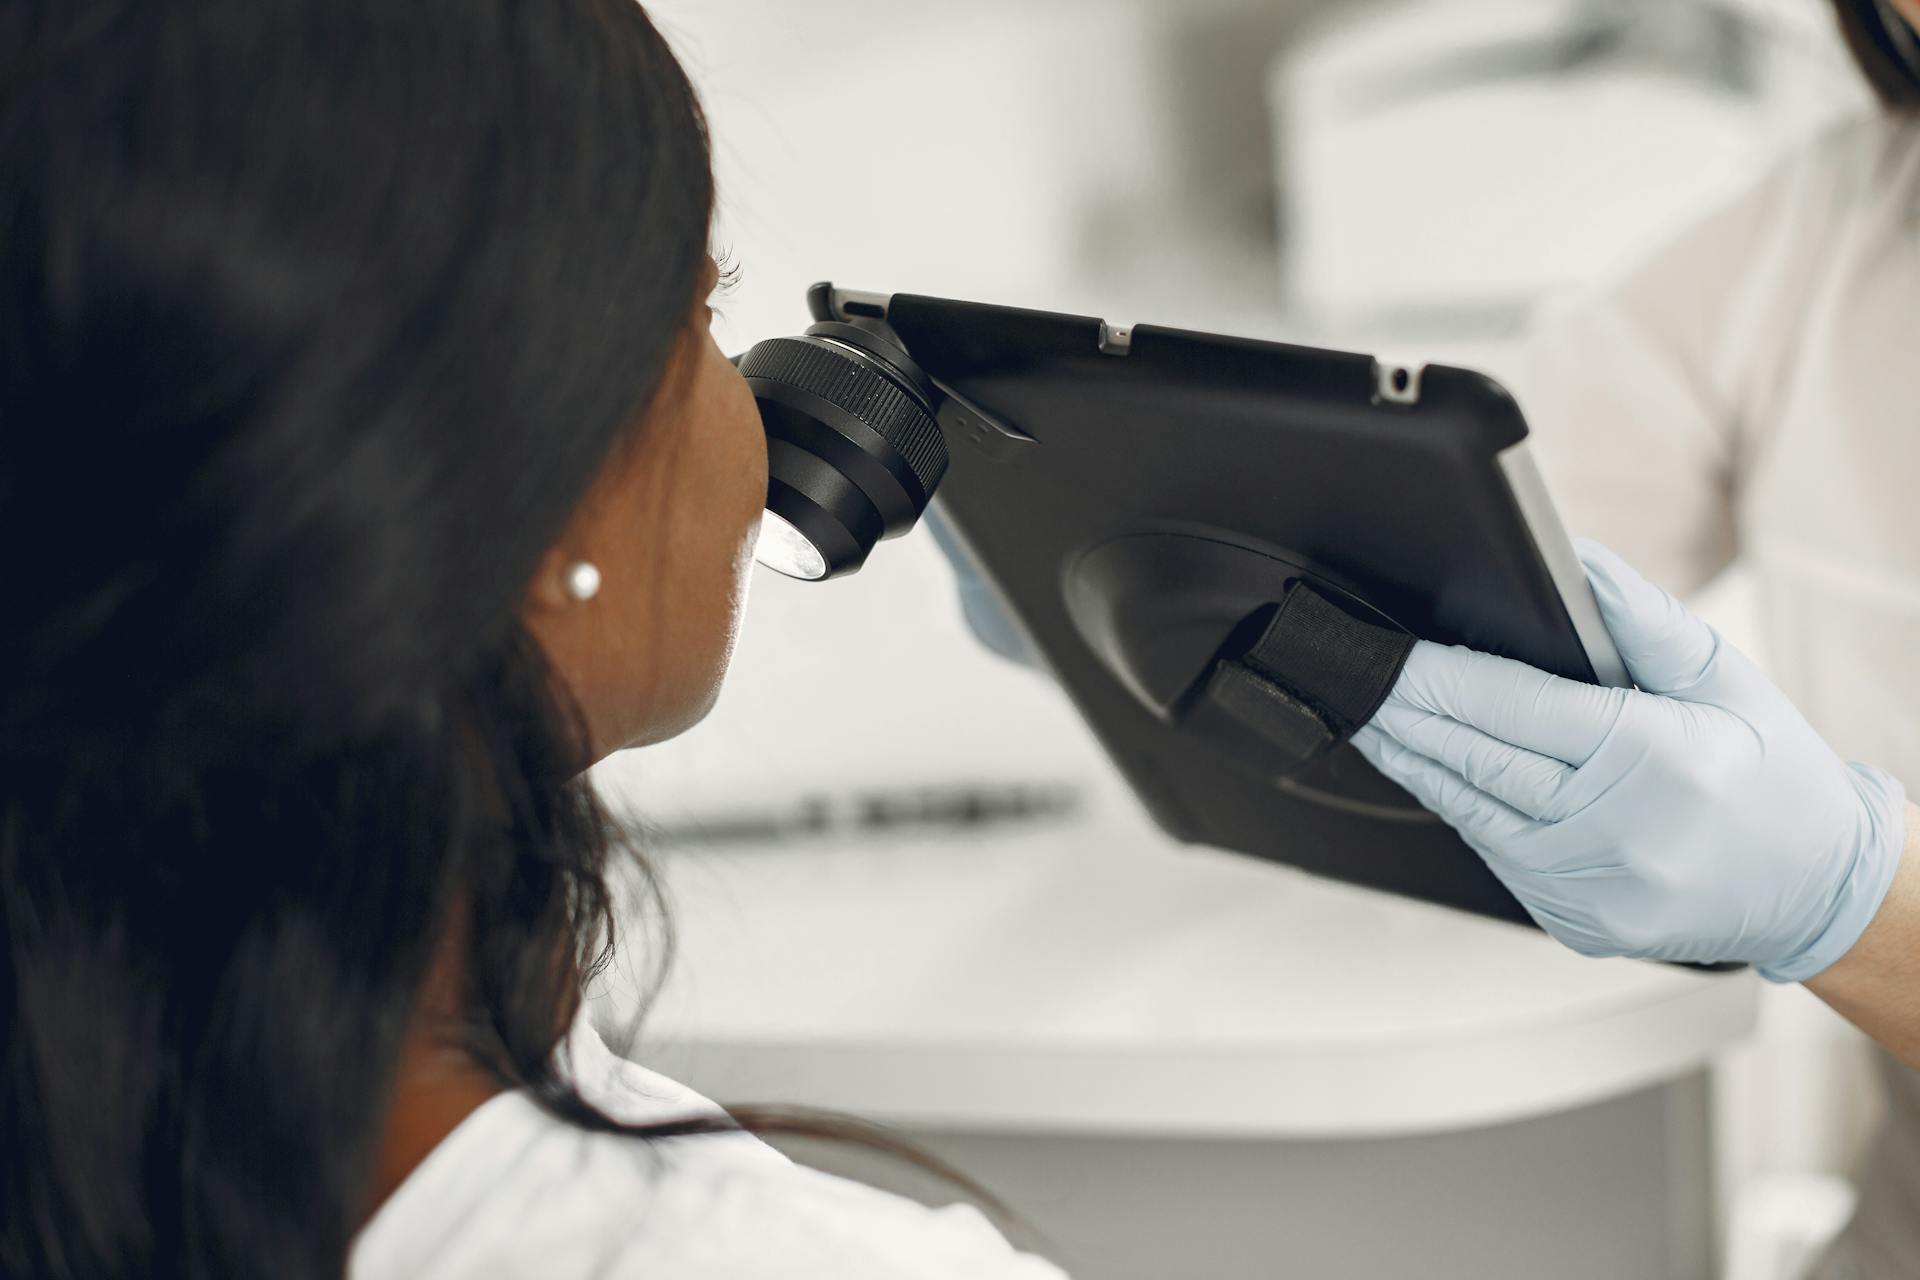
point(1645, 396)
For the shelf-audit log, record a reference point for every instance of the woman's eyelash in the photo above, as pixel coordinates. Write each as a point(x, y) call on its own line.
point(727, 268)
point(726, 279)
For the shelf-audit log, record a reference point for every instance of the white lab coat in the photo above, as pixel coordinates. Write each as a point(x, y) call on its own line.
point(1752, 390)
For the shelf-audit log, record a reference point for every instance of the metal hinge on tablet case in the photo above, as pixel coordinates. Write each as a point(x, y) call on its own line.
point(1396, 383)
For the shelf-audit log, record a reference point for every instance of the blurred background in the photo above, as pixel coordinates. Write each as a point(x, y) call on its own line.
point(905, 881)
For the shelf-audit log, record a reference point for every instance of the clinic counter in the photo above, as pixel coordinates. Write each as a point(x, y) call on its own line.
point(1104, 980)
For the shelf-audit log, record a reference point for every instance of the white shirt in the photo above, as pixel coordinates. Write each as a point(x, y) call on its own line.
point(514, 1193)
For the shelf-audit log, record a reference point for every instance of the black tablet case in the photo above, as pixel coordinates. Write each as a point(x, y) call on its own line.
point(1132, 504)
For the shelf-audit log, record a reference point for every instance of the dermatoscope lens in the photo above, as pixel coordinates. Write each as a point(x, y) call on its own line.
point(853, 448)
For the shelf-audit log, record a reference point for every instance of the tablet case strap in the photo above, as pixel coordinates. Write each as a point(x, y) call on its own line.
point(1314, 675)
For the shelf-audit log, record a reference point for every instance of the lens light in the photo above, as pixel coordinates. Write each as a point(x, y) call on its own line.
point(784, 549)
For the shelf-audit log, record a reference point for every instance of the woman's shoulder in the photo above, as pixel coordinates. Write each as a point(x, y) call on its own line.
point(517, 1192)
point(794, 1222)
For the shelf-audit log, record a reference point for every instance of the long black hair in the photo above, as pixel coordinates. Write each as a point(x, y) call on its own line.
point(1886, 49)
point(317, 318)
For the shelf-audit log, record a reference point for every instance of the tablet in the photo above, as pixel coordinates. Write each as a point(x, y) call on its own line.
point(1134, 495)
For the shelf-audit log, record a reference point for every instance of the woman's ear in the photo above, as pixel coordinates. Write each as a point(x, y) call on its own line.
point(547, 592)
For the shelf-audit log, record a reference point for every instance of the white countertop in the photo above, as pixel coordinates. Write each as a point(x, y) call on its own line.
point(1096, 978)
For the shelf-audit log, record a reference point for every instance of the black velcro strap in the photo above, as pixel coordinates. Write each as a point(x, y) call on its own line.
point(1343, 665)
point(1256, 702)
point(1314, 675)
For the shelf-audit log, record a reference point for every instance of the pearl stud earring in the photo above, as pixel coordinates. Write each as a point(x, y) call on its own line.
point(583, 580)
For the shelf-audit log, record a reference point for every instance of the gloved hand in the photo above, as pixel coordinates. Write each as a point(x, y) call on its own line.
point(1698, 818)
point(989, 620)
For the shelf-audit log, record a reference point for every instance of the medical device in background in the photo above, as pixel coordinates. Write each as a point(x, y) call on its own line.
point(1222, 548)
point(1562, 137)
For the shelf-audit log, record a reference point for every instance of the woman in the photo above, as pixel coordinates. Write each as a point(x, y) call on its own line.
point(367, 472)
point(1743, 391)
point(1740, 391)
point(1746, 391)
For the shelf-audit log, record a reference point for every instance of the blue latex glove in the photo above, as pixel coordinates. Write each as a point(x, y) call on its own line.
point(1698, 818)
point(985, 615)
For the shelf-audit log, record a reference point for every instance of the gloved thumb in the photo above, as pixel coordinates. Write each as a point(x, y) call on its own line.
point(1667, 650)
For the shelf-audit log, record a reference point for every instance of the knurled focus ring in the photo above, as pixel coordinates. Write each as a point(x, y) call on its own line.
point(843, 379)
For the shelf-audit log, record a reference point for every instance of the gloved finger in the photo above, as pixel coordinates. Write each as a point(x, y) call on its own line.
point(1667, 650)
point(1484, 822)
point(985, 612)
point(1510, 700)
point(1536, 785)
point(1576, 934)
